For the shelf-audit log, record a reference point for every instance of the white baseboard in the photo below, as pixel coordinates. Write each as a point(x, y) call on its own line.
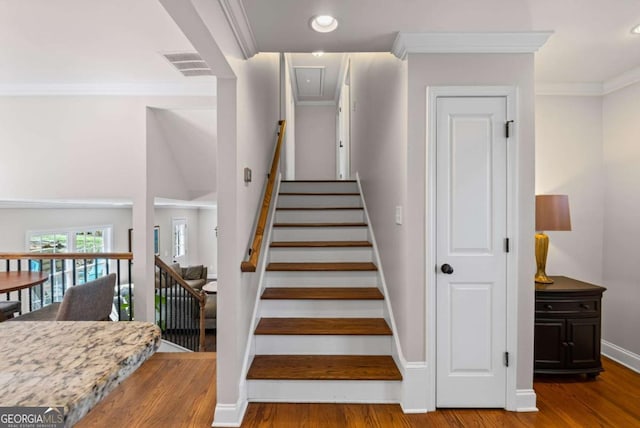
point(414, 394)
point(230, 415)
point(166, 346)
point(621, 355)
point(526, 400)
point(328, 391)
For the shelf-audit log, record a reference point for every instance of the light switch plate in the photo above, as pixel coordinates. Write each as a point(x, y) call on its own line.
point(247, 175)
point(398, 214)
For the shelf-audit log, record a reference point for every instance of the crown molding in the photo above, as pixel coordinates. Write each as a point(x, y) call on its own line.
point(445, 42)
point(625, 79)
point(570, 89)
point(163, 89)
point(237, 18)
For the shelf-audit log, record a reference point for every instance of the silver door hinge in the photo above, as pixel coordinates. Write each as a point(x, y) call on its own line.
point(506, 359)
point(507, 128)
point(506, 245)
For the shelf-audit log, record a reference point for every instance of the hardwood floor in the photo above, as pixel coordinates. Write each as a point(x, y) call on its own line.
point(178, 390)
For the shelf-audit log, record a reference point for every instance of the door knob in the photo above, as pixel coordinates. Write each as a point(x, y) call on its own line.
point(446, 268)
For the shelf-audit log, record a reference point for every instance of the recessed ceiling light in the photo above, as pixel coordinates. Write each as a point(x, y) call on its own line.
point(324, 23)
point(636, 29)
point(317, 53)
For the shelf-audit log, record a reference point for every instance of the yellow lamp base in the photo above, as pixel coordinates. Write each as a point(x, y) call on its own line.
point(542, 247)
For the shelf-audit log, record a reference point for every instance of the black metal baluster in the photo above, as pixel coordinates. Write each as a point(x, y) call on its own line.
point(119, 289)
point(131, 315)
point(64, 275)
point(85, 271)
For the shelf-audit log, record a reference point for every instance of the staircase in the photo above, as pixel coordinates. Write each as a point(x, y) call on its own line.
point(322, 335)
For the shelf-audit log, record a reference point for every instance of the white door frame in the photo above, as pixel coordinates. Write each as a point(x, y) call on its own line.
point(511, 93)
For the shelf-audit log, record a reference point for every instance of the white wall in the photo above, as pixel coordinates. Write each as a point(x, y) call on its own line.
point(473, 69)
point(379, 155)
point(16, 222)
point(315, 142)
point(569, 161)
point(208, 239)
point(621, 272)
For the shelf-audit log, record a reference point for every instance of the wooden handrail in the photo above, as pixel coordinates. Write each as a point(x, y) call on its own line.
point(66, 256)
point(254, 252)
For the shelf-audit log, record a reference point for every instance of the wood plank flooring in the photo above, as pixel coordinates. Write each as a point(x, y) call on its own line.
point(320, 244)
point(322, 267)
point(174, 390)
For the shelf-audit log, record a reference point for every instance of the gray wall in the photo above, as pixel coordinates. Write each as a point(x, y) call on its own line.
point(621, 257)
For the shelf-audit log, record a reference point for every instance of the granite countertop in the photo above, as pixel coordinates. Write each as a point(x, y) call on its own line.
point(70, 364)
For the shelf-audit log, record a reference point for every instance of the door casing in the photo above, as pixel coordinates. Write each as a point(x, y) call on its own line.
point(510, 93)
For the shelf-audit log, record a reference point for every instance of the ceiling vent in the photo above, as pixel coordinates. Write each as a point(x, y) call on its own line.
point(188, 63)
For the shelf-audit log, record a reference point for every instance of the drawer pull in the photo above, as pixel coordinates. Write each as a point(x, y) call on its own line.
point(565, 344)
point(572, 344)
point(548, 307)
point(585, 306)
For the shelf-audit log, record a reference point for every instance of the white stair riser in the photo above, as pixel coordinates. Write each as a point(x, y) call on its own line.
point(298, 201)
point(320, 234)
point(319, 216)
point(322, 279)
point(329, 187)
point(329, 254)
point(326, 391)
point(321, 308)
point(323, 345)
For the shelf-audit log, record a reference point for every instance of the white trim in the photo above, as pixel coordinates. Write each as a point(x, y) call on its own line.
point(526, 400)
point(201, 88)
point(316, 103)
point(414, 394)
point(570, 89)
point(236, 16)
point(166, 346)
point(230, 415)
point(623, 80)
point(486, 42)
point(620, 355)
point(324, 391)
point(511, 95)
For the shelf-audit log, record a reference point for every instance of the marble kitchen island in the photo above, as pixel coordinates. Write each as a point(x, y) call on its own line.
point(70, 364)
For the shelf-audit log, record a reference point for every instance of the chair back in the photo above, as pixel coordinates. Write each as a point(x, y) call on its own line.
point(88, 302)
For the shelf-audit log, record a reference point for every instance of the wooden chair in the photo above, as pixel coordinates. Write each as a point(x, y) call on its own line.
point(86, 302)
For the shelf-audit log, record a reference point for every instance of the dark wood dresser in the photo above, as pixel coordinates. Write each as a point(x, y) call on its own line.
point(567, 327)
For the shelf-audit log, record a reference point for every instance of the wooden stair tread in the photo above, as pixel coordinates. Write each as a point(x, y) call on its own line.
point(320, 244)
point(319, 193)
point(322, 267)
point(322, 293)
point(318, 181)
point(324, 367)
point(323, 326)
point(316, 208)
point(357, 224)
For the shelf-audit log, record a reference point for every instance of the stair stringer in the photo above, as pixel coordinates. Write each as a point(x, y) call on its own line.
point(413, 391)
point(261, 269)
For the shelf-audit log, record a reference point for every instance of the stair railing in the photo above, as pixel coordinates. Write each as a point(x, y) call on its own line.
point(179, 309)
point(256, 246)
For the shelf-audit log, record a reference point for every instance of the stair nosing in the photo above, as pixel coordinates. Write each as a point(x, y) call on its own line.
point(354, 224)
point(321, 326)
point(321, 244)
point(321, 267)
point(319, 194)
point(318, 181)
point(327, 368)
point(317, 208)
point(316, 293)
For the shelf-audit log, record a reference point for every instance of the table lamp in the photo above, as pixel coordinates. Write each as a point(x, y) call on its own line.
point(552, 213)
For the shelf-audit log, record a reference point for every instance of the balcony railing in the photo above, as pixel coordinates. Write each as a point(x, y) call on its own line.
point(66, 270)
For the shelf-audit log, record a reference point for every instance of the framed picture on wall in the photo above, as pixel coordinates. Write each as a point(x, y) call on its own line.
point(156, 240)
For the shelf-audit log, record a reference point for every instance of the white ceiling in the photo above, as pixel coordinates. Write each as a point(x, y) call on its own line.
point(119, 41)
point(79, 42)
point(592, 40)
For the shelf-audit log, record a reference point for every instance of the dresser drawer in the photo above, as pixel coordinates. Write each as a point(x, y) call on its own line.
point(586, 307)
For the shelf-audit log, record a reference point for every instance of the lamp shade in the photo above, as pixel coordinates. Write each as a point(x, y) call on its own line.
point(552, 212)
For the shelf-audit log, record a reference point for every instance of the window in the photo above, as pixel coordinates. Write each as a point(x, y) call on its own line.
point(179, 237)
point(71, 240)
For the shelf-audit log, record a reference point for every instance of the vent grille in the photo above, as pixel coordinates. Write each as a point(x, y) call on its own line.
point(188, 63)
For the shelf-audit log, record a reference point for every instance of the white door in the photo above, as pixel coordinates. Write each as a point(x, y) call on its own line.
point(344, 143)
point(471, 204)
